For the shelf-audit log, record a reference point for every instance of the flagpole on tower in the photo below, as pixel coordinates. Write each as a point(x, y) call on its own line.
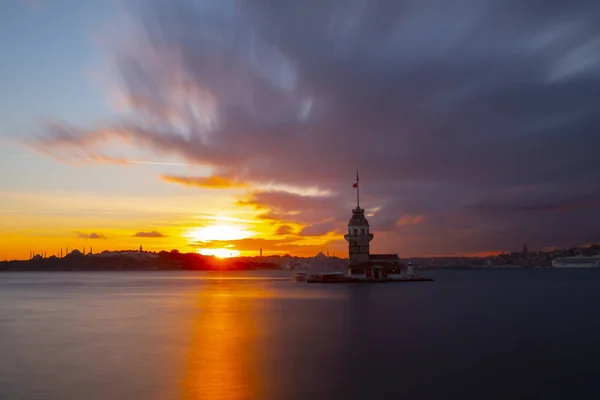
point(355, 185)
point(357, 191)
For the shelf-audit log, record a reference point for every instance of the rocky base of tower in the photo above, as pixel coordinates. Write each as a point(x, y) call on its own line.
point(337, 277)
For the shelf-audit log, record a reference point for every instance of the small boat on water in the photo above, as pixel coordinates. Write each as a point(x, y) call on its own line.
point(301, 276)
point(339, 277)
point(328, 277)
point(576, 262)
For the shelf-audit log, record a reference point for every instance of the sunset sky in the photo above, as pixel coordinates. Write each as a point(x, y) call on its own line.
point(230, 126)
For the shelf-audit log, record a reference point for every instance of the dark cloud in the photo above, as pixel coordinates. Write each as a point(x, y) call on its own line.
point(290, 207)
point(479, 117)
point(92, 235)
point(284, 230)
point(153, 234)
point(323, 228)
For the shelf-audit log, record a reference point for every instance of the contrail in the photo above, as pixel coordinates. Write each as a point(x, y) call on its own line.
point(159, 163)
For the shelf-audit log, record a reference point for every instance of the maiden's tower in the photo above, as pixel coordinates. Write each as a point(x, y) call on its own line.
point(363, 265)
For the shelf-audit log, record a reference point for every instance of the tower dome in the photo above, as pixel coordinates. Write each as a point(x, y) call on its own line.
point(358, 218)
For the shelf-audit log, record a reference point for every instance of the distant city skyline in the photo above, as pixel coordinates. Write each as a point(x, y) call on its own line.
point(225, 127)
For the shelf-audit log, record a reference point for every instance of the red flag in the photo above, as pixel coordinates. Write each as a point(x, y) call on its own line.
point(355, 185)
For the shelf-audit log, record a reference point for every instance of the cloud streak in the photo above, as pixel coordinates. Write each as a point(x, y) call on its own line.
point(159, 163)
point(152, 234)
point(92, 235)
point(443, 107)
point(210, 182)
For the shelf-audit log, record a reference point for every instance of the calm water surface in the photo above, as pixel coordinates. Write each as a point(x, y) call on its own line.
point(258, 335)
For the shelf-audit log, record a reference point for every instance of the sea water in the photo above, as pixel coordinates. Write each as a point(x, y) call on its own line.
point(480, 334)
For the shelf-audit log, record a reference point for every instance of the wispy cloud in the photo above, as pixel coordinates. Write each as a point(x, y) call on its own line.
point(92, 235)
point(210, 182)
point(152, 234)
point(32, 4)
point(323, 228)
point(409, 220)
point(159, 163)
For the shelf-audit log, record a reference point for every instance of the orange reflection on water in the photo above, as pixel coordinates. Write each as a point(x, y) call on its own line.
point(222, 360)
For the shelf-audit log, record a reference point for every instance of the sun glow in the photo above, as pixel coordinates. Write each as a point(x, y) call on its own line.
point(219, 253)
point(218, 232)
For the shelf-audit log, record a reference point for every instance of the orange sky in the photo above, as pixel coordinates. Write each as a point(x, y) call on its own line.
point(139, 205)
point(212, 220)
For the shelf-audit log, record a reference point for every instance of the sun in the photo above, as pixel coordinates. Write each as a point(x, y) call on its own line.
point(219, 253)
point(221, 232)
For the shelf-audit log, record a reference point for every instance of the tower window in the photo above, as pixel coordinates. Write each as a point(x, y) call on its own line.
point(355, 232)
point(362, 231)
